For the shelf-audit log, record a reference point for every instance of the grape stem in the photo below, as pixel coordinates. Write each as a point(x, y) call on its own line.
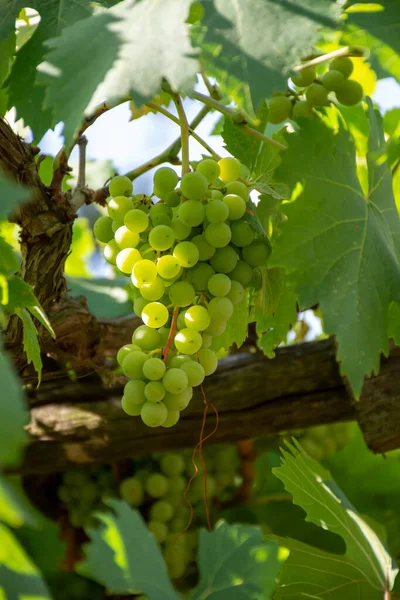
point(184, 133)
point(236, 116)
point(171, 335)
point(317, 60)
point(80, 193)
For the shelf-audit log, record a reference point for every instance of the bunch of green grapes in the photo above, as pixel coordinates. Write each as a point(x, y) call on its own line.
point(157, 490)
point(323, 441)
point(315, 91)
point(190, 258)
point(82, 492)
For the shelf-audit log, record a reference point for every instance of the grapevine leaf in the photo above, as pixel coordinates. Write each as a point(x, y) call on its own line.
point(394, 322)
point(20, 296)
point(242, 146)
point(7, 50)
point(131, 51)
point(9, 262)
point(30, 341)
point(19, 577)
point(55, 15)
point(236, 327)
point(13, 415)
point(365, 570)
point(235, 564)
point(15, 508)
point(237, 47)
point(11, 195)
point(106, 298)
point(338, 245)
point(123, 555)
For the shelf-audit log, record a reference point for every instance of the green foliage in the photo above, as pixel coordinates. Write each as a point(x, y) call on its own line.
point(13, 415)
point(106, 298)
point(366, 568)
point(15, 509)
point(340, 246)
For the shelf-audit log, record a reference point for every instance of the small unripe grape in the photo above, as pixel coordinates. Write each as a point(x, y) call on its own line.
point(164, 334)
point(350, 93)
point(168, 267)
point(208, 360)
point(206, 251)
point(192, 213)
point(230, 169)
point(317, 95)
point(172, 464)
point(172, 199)
point(160, 208)
point(156, 485)
point(136, 220)
point(188, 341)
point(126, 238)
point(159, 530)
point(220, 308)
point(111, 251)
point(172, 418)
point(132, 365)
point(182, 293)
point(194, 185)
point(139, 305)
point(153, 291)
point(161, 237)
point(242, 273)
point(131, 490)
point(236, 205)
point(103, 229)
point(165, 179)
point(218, 234)
point(127, 258)
point(216, 327)
point(155, 315)
point(224, 260)
point(186, 253)
point(305, 77)
point(147, 338)
point(180, 229)
point(199, 276)
point(242, 233)
point(195, 373)
point(161, 511)
point(301, 109)
point(124, 351)
point(236, 293)
point(239, 188)
point(175, 381)
point(217, 195)
point(120, 186)
point(209, 168)
point(134, 391)
point(118, 207)
point(343, 64)
point(332, 80)
point(133, 409)
point(197, 318)
point(257, 253)
point(219, 285)
point(279, 109)
point(178, 360)
point(154, 391)
point(178, 401)
point(217, 211)
point(143, 272)
point(256, 281)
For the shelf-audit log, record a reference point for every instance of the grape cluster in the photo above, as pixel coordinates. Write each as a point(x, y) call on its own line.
point(316, 90)
point(82, 491)
point(323, 441)
point(157, 490)
point(190, 257)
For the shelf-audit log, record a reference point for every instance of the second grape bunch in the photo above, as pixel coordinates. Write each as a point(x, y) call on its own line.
point(190, 257)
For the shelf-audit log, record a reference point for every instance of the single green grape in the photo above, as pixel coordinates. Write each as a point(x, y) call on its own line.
point(153, 291)
point(178, 401)
point(188, 341)
point(343, 64)
point(224, 260)
point(120, 186)
point(161, 511)
point(124, 351)
point(350, 93)
point(147, 338)
point(182, 293)
point(178, 360)
point(186, 253)
point(134, 391)
point(305, 77)
point(165, 180)
point(132, 364)
point(156, 485)
point(158, 209)
point(172, 418)
point(155, 315)
point(175, 381)
point(218, 234)
point(110, 252)
point(168, 267)
point(118, 207)
point(236, 206)
point(180, 229)
point(217, 211)
point(126, 259)
point(172, 464)
point(143, 272)
point(126, 238)
point(131, 490)
point(192, 213)
point(242, 273)
point(172, 199)
point(220, 308)
point(103, 229)
point(206, 251)
point(217, 195)
point(159, 530)
point(257, 253)
point(219, 285)
point(279, 109)
point(209, 168)
point(199, 275)
point(242, 233)
point(208, 360)
point(238, 188)
point(236, 293)
point(154, 391)
point(161, 238)
point(229, 169)
point(139, 305)
point(133, 409)
point(317, 95)
point(301, 109)
point(195, 373)
point(194, 185)
point(332, 80)
point(136, 220)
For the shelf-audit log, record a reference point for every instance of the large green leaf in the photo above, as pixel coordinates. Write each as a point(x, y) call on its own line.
point(131, 44)
point(339, 246)
point(124, 557)
point(235, 564)
point(237, 327)
point(107, 298)
point(250, 46)
point(19, 577)
point(15, 508)
point(365, 570)
point(13, 415)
